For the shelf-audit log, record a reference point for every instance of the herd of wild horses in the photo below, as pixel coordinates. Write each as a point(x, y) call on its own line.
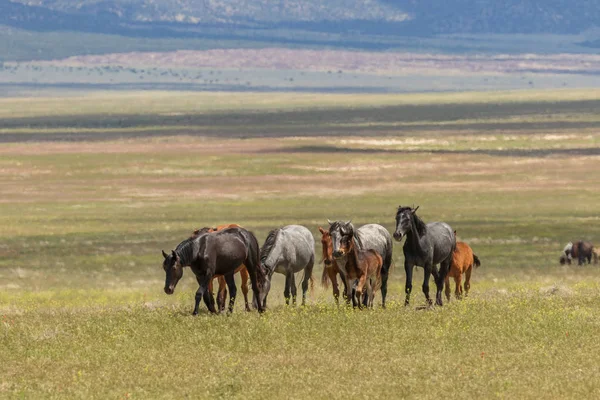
point(362, 257)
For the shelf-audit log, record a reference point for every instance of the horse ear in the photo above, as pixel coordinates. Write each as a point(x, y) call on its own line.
point(174, 254)
point(349, 222)
point(164, 254)
point(330, 223)
point(322, 230)
point(415, 210)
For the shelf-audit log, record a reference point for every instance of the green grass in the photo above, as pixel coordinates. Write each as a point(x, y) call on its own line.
point(83, 314)
point(156, 102)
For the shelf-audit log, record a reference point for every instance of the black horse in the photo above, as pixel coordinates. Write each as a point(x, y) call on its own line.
point(221, 253)
point(425, 246)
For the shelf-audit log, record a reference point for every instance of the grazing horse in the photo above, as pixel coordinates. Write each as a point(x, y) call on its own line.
point(224, 283)
point(581, 251)
point(463, 260)
point(215, 253)
point(426, 246)
point(286, 251)
point(331, 268)
point(369, 237)
point(363, 266)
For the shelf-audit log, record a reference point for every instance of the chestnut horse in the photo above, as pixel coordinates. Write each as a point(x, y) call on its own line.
point(222, 291)
point(463, 260)
point(331, 269)
point(362, 265)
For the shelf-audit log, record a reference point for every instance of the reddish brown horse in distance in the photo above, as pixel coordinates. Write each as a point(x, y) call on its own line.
point(331, 269)
point(362, 265)
point(463, 261)
point(222, 291)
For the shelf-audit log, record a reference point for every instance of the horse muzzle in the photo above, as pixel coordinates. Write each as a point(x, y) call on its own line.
point(169, 290)
point(338, 254)
point(398, 236)
point(327, 262)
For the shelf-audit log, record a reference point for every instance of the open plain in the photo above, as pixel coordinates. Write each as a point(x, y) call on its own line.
point(92, 187)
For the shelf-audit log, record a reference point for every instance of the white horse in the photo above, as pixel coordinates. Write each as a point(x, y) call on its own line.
point(286, 251)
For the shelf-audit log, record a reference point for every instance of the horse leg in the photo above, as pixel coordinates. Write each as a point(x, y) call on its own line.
point(385, 270)
point(359, 290)
point(244, 275)
point(347, 293)
point(203, 292)
point(458, 288)
point(287, 290)
point(294, 289)
point(350, 293)
point(334, 284)
point(252, 267)
point(426, 276)
point(408, 269)
point(440, 276)
point(370, 292)
point(447, 287)
point(221, 293)
point(468, 280)
point(307, 275)
point(232, 290)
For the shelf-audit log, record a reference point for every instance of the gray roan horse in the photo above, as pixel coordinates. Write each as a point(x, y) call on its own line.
point(221, 253)
point(288, 250)
point(425, 246)
point(367, 237)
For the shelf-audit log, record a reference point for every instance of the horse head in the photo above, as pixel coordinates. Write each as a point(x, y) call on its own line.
point(342, 234)
point(173, 270)
point(327, 247)
point(404, 217)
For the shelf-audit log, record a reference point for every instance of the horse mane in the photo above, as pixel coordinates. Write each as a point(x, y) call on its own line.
point(185, 249)
point(268, 246)
point(421, 226)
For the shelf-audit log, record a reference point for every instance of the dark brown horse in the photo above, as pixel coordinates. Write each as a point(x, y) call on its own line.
point(222, 291)
point(363, 266)
point(579, 250)
point(216, 253)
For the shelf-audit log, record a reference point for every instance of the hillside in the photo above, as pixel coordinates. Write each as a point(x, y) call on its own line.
point(44, 29)
point(398, 16)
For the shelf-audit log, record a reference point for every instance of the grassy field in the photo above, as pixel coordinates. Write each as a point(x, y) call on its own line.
point(83, 222)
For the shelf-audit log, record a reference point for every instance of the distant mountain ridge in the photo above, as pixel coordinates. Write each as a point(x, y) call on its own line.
point(406, 17)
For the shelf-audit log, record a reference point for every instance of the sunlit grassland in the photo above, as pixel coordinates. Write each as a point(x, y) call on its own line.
point(156, 102)
point(84, 315)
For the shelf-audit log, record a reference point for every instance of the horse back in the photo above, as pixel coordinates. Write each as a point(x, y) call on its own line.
point(376, 237)
point(442, 239)
point(462, 259)
point(229, 247)
point(298, 244)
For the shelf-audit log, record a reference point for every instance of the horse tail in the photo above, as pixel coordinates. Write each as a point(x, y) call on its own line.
point(254, 256)
point(476, 261)
point(310, 278)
